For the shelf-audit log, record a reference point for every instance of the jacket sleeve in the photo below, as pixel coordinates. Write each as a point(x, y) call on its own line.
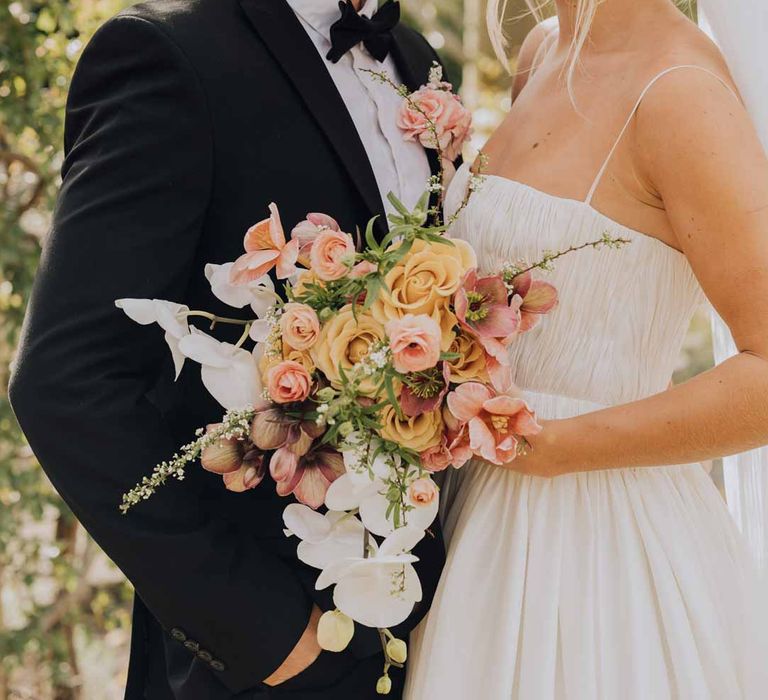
point(136, 182)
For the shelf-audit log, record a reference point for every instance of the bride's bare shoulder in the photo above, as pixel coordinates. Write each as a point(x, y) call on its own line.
point(685, 44)
point(532, 52)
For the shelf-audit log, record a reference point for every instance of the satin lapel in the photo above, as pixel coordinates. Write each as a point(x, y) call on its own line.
point(413, 77)
point(282, 33)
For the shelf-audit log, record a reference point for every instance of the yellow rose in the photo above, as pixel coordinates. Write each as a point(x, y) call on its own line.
point(418, 433)
point(301, 356)
point(423, 282)
point(344, 341)
point(471, 363)
point(305, 278)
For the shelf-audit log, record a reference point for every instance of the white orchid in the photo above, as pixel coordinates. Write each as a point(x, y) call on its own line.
point(171, 317)
point(379, 590)
point(365, 487)
point(230, 374)
point(326, 539)
point(260, 293)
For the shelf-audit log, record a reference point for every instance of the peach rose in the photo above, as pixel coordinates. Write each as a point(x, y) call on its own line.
point(288, 382)
point(331, 253)
point(418, 433)
point(422, 492)
point(299, 326)
point(415, 343)
point(424, 282)
point(471, 363)
point(344, 341)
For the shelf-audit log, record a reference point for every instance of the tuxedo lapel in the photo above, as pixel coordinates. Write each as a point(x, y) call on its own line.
point(284, 36)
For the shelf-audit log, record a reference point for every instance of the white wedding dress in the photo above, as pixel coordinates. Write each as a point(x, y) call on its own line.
point(624, 584)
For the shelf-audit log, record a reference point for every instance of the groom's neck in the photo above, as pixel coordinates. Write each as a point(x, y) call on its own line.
point(617, 23)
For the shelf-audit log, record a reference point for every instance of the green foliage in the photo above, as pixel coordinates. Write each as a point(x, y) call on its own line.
point(39, 45)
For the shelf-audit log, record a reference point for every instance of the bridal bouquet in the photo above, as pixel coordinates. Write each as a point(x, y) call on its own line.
point(377, 366)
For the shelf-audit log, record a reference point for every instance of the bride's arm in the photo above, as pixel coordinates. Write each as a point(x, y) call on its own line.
point(701, 153)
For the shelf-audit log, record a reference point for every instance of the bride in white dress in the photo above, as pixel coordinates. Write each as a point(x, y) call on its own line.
point(584, 570)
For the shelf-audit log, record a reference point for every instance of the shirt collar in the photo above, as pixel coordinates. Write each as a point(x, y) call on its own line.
point(321, 14)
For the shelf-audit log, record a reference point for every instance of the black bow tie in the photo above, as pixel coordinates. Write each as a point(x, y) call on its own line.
point(375, 33)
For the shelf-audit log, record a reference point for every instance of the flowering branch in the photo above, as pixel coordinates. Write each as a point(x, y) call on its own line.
point(235, 424)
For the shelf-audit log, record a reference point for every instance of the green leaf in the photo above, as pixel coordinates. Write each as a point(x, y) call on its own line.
point(370, 238)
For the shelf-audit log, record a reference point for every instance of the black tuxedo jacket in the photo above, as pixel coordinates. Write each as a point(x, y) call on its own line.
point(185, 119)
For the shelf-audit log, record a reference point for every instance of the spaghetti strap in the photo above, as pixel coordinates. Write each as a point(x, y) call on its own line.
point(640, 99)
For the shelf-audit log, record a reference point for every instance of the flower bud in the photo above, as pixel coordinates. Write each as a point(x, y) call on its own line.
point(222, 457)
point(326, 314)
point(384, 685)
point(325, 395)
point(335, 630)
point(346, 429)
point(397, 650)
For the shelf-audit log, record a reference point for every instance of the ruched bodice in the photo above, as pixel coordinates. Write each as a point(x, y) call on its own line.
point(623, 314)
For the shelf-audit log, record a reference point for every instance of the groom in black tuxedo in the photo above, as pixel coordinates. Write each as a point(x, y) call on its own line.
point(185, 119)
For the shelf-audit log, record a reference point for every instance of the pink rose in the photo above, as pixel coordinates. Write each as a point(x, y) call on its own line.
point(288, 382)
point(415, 342)
point(494, 421)
point(306, 231)
point(444, 109)
point(299, 326)
point(331, 253)
point(422, 492)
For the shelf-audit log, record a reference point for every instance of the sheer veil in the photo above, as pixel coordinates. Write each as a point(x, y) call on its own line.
point(740, 28)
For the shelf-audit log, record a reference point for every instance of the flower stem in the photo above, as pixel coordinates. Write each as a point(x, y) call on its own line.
point(244, 336)
point(214, 319)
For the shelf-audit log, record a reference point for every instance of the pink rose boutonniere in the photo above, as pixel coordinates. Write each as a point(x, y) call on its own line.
point(436, 117)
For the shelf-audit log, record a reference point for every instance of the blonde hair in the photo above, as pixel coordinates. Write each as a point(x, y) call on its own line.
point(585, 11)
point(584, 15)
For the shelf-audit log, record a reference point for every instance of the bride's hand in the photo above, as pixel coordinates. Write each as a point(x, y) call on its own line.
point(545, 455)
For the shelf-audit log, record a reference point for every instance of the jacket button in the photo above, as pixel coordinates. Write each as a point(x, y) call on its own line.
point(204, 655)
point(192, 645)
point(178, 635)
point(217, 665)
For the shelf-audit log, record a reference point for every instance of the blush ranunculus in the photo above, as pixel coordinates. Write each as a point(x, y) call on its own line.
point(288, 382)
point(494, 421)
point(437, 458)
point(422, 492)
point(331, 253)
point(305, 232)
point(300, 326)
point(363, 268)
point(415, 343)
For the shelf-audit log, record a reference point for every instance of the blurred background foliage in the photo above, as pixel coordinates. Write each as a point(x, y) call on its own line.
point(64, 609)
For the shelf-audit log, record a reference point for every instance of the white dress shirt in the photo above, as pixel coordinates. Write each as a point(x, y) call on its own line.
point(399, 166)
